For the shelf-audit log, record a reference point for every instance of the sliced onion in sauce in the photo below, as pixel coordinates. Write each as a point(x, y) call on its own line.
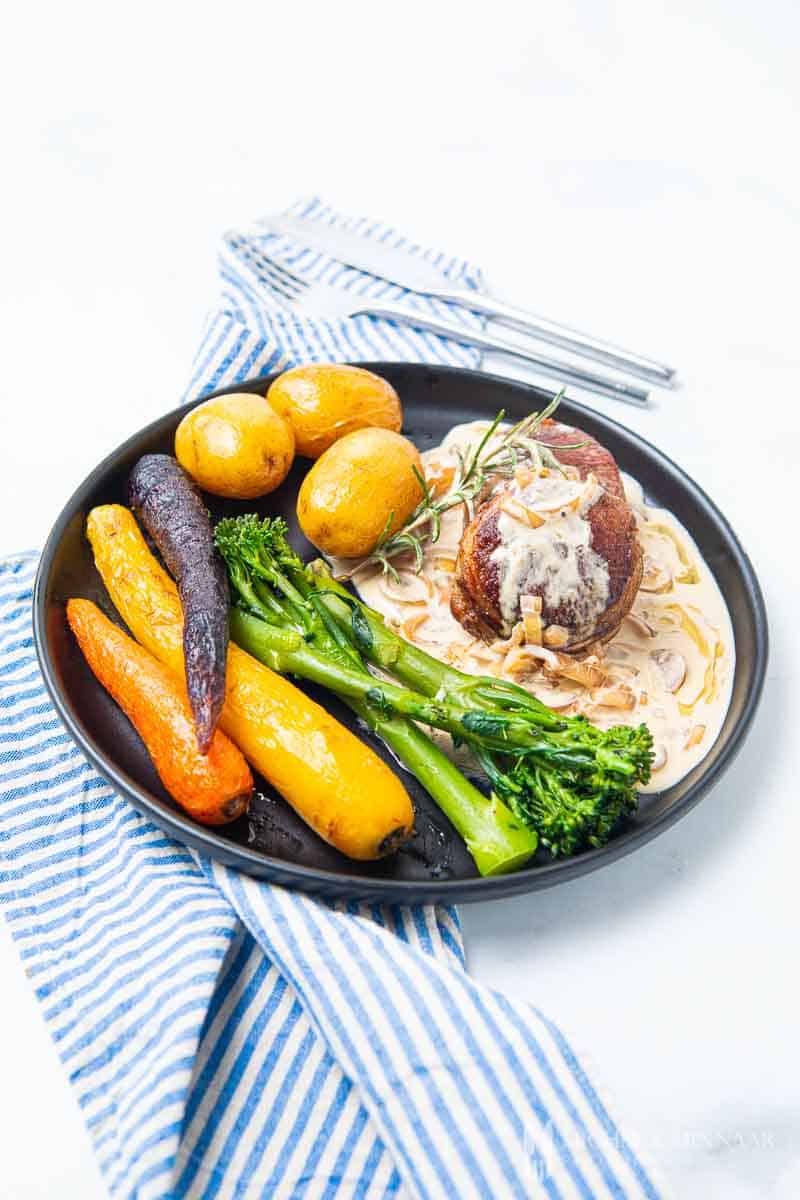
point(637, 622)
point(555, 636)
point(689, 574)
point(516, 639)
point(656, 577)
point(531, 609)
point(483, 652)
point(619, 696)
point(410, 626)
point(523, 659)
point(564, 496)
point(407, 588)
point(425, 627)
point(438, 550)
point(521, 512)
point(588, 672)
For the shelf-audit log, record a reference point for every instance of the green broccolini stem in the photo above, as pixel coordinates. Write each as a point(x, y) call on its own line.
point(286, 652)
point(610, 749)
point(569, 814)
point(560, 776)
point(498, 841)
point(386, 649)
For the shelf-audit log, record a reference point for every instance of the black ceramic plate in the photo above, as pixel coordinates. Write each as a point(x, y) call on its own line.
point(274, 843)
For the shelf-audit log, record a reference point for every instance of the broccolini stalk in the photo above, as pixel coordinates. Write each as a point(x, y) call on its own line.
point(290, 618)
point(570, 810)
point(624, 749)
point(287, 651)
point(564, 777)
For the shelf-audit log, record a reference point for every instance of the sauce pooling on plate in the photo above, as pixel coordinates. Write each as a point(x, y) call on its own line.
point(670, 663)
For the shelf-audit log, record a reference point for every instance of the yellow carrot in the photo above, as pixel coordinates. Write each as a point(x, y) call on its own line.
point(331, 778)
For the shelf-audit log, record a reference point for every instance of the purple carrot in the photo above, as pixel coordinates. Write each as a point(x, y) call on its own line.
point(172, 512)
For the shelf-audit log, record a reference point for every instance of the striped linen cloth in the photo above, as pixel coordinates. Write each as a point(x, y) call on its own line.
point(229, 1038)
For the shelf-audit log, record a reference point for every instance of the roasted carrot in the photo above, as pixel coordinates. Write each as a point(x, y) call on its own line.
point(332, 779)
point(214, 788)
point(169, 506)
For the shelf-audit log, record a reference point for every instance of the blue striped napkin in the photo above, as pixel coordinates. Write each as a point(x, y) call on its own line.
point(229, 1038)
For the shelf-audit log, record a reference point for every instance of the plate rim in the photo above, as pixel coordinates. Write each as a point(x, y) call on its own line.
point(320, 881)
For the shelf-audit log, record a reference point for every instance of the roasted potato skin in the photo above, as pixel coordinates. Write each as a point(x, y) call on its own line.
point(325, 401)
point(235, 446)
point(348, 497)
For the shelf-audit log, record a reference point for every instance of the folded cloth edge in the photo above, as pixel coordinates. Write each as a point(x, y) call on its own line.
point(506, 1136)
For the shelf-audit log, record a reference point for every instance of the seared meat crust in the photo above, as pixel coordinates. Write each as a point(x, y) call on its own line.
point(475, 597)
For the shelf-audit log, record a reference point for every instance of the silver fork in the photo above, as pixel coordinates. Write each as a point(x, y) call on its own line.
point(417, 274)
point(297, 292)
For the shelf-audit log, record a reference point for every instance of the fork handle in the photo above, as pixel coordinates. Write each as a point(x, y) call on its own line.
point(561, 335)
point(602, 385)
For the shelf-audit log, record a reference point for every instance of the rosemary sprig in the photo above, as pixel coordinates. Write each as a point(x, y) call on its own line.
point(476, 468)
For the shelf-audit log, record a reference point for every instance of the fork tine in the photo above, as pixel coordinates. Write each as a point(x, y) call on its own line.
point(278, 288)
point(281, 275)
point(282, 281)
point(277, 283)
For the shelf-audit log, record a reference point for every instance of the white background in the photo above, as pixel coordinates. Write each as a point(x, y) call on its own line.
point(629, 167)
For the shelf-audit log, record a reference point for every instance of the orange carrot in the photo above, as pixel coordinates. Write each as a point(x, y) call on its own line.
point(330, 777)
point(213, 788)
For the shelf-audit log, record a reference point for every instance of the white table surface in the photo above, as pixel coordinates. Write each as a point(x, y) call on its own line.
point(629, 170)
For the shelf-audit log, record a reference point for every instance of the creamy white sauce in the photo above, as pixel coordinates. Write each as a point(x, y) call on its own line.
point(556, 558)
point(669, 665)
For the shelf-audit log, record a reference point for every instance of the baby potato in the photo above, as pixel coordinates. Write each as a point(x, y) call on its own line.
point(235, 446)
point(348, 496)
point(324, 401)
